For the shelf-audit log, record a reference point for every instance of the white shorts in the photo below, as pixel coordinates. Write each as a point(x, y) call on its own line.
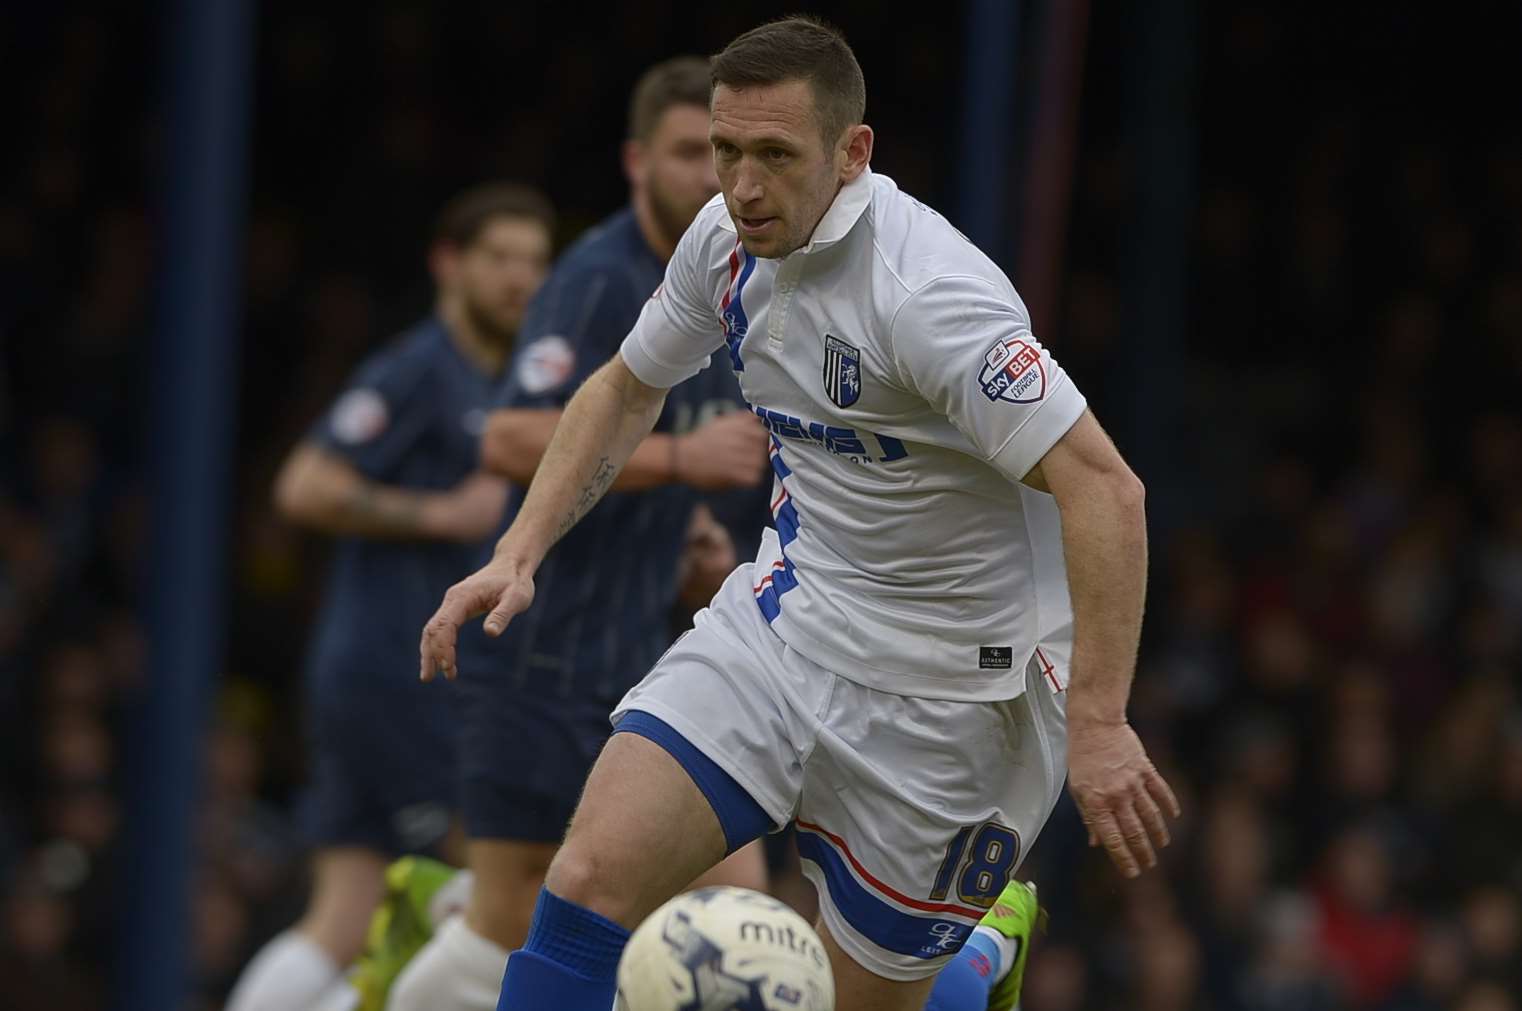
point(911, 814)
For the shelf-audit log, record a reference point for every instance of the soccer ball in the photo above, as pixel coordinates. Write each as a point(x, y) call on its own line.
point(725, 949)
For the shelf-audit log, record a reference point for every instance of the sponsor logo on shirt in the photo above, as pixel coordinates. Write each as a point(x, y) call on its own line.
point(1012, 372)
point(846, 442)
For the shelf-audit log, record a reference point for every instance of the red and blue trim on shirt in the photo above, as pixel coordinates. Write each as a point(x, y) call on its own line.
point(782, 577)
point(732, 308)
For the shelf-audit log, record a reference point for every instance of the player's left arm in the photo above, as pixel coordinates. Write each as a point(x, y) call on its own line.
point(964, 342)
point(1104, 538)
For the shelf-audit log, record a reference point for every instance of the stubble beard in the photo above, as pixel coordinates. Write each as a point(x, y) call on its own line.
point(669, 214)
point(493, 329)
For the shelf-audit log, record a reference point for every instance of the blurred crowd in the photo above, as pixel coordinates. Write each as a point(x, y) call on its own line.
point(1331, 669)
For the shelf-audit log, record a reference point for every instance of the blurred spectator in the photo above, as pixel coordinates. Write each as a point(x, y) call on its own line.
point(39, 970)
point(1486, 995)
point(1169, 973)
point(1368, 939)
point(1442, 965)
point(1287, 972)
point(1056, 979)
point(1492, 918)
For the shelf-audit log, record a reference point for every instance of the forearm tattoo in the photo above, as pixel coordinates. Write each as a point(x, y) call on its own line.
point(601, 478)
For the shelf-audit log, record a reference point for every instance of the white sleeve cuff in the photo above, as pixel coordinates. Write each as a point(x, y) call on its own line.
point(650, 370)
point(1063, 406)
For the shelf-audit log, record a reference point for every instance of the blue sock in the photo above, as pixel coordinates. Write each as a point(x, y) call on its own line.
point(965, 983)
point(569, 962)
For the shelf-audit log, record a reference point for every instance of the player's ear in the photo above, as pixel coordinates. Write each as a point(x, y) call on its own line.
point(854, 151)
point(633, 155)
point(443, 263)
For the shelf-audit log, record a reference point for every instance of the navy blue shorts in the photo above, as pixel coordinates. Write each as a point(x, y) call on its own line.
point(524, 758)
point(383, 773)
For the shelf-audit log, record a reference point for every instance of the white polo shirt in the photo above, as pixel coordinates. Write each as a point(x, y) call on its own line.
point(895, 367)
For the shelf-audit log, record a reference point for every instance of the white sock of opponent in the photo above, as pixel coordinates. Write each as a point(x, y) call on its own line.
point(290, 973)
point(341, 996)
point(1006, 948)
point(459, 970)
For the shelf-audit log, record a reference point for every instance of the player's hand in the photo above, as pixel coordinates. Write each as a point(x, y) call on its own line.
point(707, 560)
point(470, 511)
point(1119, 793)
point(502, 587)
point(727, 452)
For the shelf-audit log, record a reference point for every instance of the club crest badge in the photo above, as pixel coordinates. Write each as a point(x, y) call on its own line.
point(545, 364)
point(842, 371)
point(1012, 372)
point(359, 416)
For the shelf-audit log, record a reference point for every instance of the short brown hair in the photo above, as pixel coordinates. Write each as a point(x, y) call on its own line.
point(682, 80)
point(799, 48)
point(461, 221)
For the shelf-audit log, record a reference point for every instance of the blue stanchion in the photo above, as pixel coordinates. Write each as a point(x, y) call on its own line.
point(985, 148)
point(209, 47)
point(1150, 359)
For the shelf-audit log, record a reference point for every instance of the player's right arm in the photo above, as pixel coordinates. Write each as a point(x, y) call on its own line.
point(602, 425)
point(604, 422)
point(611, 413)
point(583, 308)
point(726, 452)
point(319, 489)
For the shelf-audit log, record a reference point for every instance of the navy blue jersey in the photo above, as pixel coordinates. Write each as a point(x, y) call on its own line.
point(604, 594)
point(411, 416)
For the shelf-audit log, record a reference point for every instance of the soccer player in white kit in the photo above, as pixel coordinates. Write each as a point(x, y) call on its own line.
point(945, 619)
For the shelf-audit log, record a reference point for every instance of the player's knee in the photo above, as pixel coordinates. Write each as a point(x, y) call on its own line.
point(339, 915)
point(579, 875)
point(575, 875)
point(339, 933)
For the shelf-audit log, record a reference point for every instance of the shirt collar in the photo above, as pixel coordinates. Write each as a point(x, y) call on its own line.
point(845, 210)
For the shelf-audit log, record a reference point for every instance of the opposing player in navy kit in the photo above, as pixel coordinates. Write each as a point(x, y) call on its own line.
point(391, 470)
point(537, 703)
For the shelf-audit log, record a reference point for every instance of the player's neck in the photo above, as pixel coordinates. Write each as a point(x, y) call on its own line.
point(486, 354)
point(661, 244)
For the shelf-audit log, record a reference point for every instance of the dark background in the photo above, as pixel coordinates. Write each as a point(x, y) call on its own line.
point(1291, 286)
